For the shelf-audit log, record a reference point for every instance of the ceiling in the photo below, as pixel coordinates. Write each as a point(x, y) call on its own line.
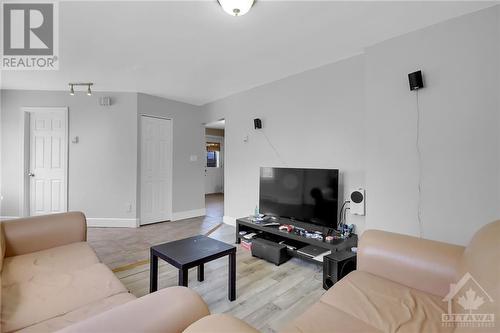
point(193, 52)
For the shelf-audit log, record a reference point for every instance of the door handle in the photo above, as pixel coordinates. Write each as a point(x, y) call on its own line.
point(31, 174)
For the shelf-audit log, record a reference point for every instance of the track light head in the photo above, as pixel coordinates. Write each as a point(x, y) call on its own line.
point(85, 84)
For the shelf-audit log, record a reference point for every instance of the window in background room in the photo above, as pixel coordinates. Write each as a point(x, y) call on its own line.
point(213, 149)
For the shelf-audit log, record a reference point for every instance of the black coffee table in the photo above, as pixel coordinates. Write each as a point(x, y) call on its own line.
point(190, 252)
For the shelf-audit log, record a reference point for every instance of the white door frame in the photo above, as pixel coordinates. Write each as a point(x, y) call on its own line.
point(24, 201)
point(170, 166)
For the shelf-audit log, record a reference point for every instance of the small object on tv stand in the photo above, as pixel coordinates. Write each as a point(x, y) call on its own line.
point(269, 251)
point(270, 224)
point(250, 235)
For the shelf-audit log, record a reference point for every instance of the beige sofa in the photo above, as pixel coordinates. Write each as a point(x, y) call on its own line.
point(51, 279)
point(399, 286)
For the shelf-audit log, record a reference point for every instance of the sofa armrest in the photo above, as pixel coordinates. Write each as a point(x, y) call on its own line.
point(31, 234)
point(220, 323)
point(418, 263)
point(169, 310)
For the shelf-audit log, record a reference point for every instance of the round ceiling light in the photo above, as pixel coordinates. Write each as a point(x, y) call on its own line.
point(236, 7)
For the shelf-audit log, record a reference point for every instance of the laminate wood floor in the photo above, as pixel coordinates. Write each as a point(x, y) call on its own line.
point(119, 247)
point(267, 296)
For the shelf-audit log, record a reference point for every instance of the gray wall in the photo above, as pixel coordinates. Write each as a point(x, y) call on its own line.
point(358, 115)
point(102, 166)
point(314, 120)
point(189, 140)
point(459, 111)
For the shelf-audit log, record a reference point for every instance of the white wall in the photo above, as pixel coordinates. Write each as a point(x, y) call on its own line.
point(314, 119)
point(189, 140)
point(102, 166)
point(459, 129)
point(336, 115)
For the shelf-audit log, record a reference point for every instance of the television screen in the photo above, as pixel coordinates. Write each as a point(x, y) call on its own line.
point(308, 195)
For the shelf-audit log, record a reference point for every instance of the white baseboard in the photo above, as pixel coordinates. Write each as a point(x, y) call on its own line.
point(188, 214)
point(229, 220)
point(5, 218)
point(112, 222)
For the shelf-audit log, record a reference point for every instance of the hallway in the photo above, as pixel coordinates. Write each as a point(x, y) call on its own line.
point(214, 204)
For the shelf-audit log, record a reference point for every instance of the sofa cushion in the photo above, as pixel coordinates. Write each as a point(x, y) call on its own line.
point(169, 310)
point(59, 259)
point(47, 295)
point(386, 305)
point(321, 318)
point(79, 314)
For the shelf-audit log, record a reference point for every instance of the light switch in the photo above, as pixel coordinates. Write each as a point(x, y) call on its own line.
point(193, 158)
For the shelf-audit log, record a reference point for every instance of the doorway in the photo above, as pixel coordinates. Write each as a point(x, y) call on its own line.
point(214, 168)
point(155, 169)
point(45, 167)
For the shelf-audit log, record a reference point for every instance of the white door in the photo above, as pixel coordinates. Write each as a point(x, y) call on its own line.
point(156, 169)
point(48, 162)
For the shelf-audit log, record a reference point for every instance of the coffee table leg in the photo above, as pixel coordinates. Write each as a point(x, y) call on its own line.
point(232, 276)
point(183, 277)
point(201, 272)
point(153, 273)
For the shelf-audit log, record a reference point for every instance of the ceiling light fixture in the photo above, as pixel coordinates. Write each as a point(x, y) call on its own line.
point(236, 7)
point(86, 84)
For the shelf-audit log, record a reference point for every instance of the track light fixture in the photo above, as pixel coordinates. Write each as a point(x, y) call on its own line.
point(86, 84)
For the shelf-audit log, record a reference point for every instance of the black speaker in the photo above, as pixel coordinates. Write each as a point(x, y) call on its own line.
point(270, 251)
point(415, 80)
point(336, 266)
point(257, 123)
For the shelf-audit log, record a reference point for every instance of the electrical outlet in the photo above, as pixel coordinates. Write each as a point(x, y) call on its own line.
point(129, 207)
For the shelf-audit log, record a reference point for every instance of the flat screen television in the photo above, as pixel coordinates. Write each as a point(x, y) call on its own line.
point(308, 195)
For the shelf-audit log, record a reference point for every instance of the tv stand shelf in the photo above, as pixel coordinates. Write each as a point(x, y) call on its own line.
point(245, 224)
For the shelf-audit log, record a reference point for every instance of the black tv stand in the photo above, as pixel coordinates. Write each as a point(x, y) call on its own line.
point(290, 238)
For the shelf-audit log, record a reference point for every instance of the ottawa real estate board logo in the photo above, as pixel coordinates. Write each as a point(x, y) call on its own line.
point(469, 305)
point(30, 36)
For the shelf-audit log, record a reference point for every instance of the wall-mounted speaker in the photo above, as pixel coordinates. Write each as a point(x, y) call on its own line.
point(357, 204)
point(257, 123)
point(415, 80)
